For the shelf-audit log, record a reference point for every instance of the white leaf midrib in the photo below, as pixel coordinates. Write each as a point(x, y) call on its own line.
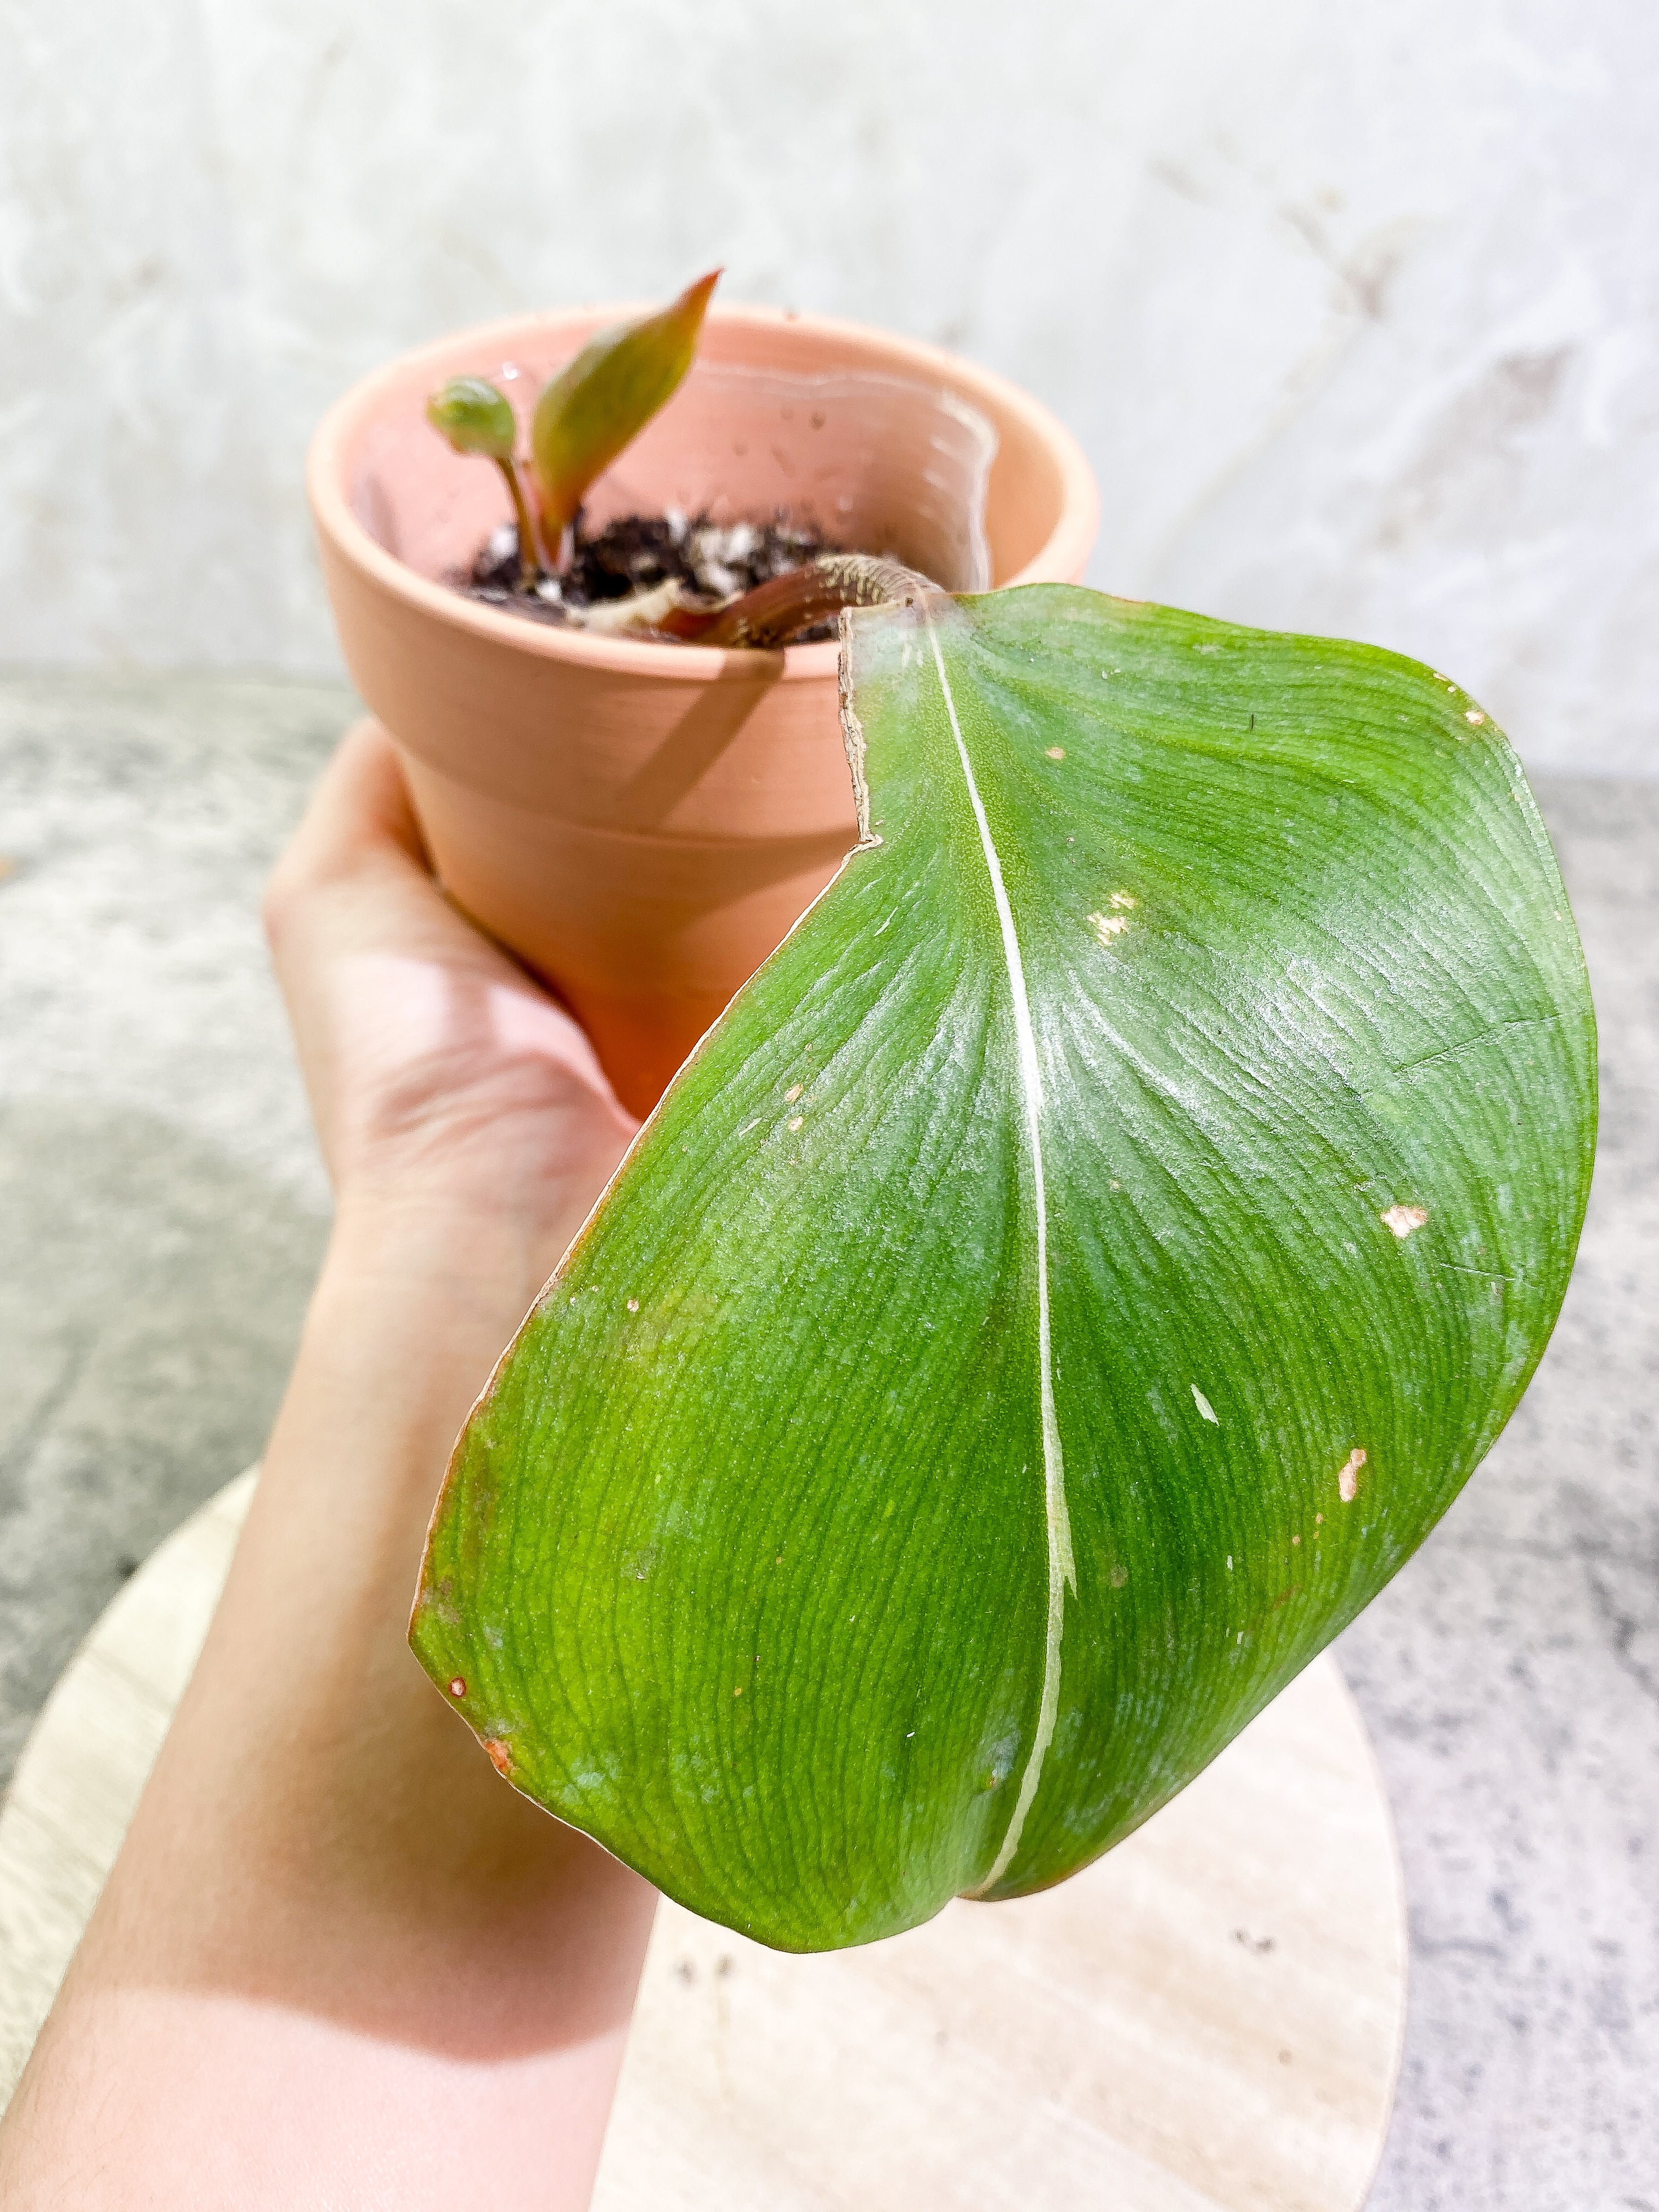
point(1062, 1570)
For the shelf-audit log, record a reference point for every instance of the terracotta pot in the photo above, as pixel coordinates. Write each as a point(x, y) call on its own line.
point(640, 823)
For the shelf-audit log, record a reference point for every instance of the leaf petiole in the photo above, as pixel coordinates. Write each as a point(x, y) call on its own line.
point(777, 612)
point(532, 559)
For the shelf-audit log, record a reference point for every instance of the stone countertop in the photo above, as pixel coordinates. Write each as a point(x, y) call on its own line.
point(162, 1213)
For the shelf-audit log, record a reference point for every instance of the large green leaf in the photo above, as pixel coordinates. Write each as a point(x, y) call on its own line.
point(1076, 1272)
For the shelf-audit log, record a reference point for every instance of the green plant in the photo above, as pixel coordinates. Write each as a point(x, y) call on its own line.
point(1071, 1279)
point(585, 416)
point(477, 417)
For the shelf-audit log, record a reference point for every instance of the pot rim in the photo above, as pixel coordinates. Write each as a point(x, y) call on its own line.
point(1063, 552)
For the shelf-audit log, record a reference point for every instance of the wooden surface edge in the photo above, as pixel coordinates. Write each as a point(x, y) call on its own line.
point(1211, 2019)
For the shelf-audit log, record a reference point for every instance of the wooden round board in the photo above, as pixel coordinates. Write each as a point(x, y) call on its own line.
point(1209, 2019)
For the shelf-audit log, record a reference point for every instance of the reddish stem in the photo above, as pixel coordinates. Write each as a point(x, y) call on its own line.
point(777, 611)
point(531, 563)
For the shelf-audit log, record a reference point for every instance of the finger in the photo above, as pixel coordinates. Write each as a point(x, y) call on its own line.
point(361, 812)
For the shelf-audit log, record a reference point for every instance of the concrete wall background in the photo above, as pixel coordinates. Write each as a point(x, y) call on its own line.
point(1356, 308)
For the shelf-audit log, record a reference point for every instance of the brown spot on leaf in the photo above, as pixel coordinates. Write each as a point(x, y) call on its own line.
point(1348, 1476)
point(1402, 1220)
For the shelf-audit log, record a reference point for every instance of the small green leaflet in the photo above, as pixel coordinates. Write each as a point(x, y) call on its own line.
point(1073, 1277)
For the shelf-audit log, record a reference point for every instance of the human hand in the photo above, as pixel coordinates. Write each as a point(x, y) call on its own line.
point(446, 1084)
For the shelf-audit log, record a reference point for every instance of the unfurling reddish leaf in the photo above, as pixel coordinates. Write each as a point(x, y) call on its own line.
point(595, 406)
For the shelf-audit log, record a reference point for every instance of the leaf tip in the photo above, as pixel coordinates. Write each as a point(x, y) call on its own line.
point(694, 301)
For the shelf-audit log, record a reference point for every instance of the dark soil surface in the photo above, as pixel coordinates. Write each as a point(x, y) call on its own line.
point(712, 561)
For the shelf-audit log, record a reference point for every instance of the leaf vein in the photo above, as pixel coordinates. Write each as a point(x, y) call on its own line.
point(1468, 1043)
point(1062, 1569)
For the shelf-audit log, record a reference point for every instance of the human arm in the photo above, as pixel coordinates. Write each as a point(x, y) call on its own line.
point(338, 1962)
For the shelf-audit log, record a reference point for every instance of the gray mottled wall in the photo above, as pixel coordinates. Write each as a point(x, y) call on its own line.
point(1353, 306)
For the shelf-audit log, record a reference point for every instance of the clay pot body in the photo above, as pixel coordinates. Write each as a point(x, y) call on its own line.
point(640, 823)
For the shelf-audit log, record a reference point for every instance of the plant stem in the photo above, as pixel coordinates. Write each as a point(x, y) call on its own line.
point(777, 612)
point(531, 563)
